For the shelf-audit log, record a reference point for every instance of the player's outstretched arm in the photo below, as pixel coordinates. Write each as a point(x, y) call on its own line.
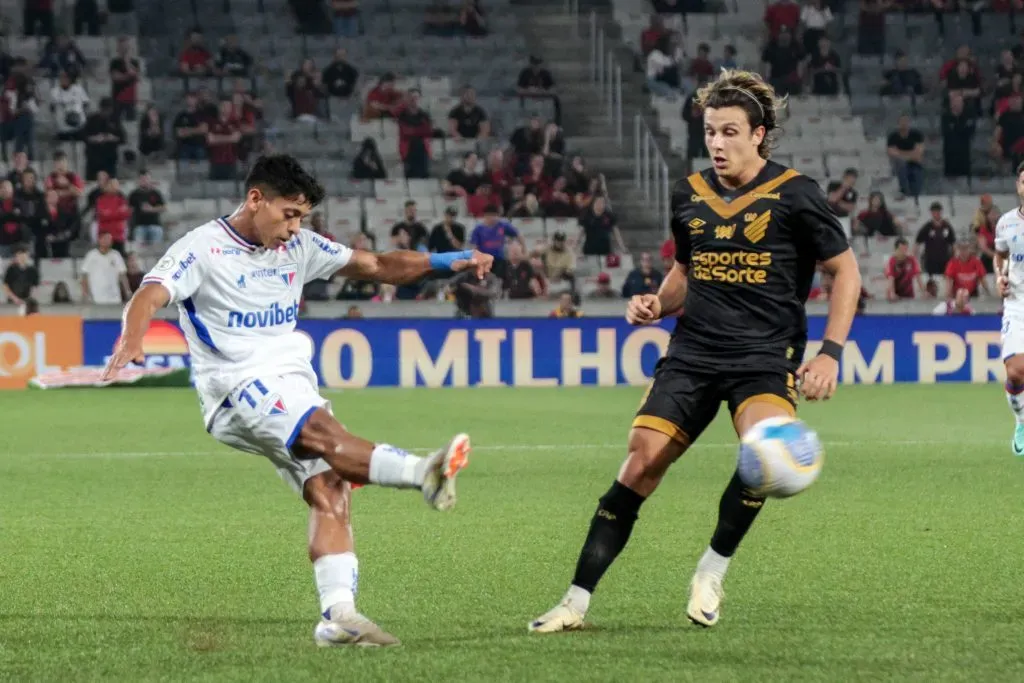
point(405, 267)
point(135, 322)
point(820, 375)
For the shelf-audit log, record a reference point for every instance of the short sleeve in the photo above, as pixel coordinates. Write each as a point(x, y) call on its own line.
point(119, 264)
point(950, 268)
point(922, 235)
point(889, 271)
point(818, 222)
point(1002, 245)
point(323, 257)
point(510, 231)
point(680, 231)
point(181, 270)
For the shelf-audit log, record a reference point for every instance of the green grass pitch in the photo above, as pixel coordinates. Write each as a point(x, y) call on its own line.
point(133, 547)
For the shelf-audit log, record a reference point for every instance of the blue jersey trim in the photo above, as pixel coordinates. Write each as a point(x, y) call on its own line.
point(299, 425)
point(201, 331)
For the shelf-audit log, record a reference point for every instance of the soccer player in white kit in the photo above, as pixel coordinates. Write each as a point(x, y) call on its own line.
point(1009, 266)
point(237, 282)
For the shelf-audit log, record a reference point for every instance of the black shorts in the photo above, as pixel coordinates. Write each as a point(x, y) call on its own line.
point(685, 395)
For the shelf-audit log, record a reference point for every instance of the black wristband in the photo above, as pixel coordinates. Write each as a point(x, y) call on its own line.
point(833, 350)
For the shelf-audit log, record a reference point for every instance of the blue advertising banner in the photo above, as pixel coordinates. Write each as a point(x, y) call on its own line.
point(602, 351)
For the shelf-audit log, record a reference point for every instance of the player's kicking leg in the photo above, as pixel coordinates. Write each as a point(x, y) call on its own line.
point(651, 452)
point(737, 510)
point(1015, 398)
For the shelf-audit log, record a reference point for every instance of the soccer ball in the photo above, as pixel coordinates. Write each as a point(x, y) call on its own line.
point(779, 457)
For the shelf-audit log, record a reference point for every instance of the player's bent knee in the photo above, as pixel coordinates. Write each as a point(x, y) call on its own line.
point(329, 495)
point(749, 414)
point(651, 453)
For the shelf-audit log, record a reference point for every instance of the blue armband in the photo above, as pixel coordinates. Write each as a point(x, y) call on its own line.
point(445, 260)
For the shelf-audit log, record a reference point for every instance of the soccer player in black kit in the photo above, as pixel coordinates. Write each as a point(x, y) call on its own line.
point(749, 234)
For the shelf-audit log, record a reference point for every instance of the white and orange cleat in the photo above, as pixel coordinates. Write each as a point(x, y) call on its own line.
point(442, 468)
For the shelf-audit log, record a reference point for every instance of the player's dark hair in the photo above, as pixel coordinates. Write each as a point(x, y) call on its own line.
point(281, 175)
point(1020, 168)
point(748, 91)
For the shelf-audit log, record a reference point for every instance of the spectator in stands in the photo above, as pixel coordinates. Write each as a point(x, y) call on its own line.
point(936, 239)
point(66, 183)
point(783, 62)
point(497, 172)
point(668, 254)
point(415, 130)
point(147, 205)
point(524, 205)
point(584, 200)
point(701, 69)
point(902, 271)
point(61, 54)
point(965, 272)
point(21, 278)
point(37, 18)
point(61, 293)
point(304, 92)
point(206, 105)
point(598, 227)
point(527, 141)
point(491, 234)
point(340, 77)
point(383, 101)
point(985, 236)
point(478, 203)
point(958, 128)
point(463, 181)
point(1002, 99)
point(728, 59)
point(560, 261)
point(190, 131)
point(663, 77)
point(104, 273)
point(783, 15)
point(472, 19)
point(814, 19)
point(222, 144)
point(18, 167)
point(557, 202)
point(536, 82)
point(448, 235)
point(133, 273)
point(124, 76)
point(368, 165)
point(68, 102)
point(842, 194)
point(31, 202)
point(195, 59)
point(87, 18)
point(823, 67)
point(410, 230)
point(232, 59)
point(905, 147)
point(959, 304)
point(520, 280)
point(577, 176)
point(644, 279)
point(1008, 137)
point(113, 214)
point(902, 79)
point(151, 133)
point(102, 178)
point(535, 180)
point(964, 81)
point(1005, 71)
point(604, 288)
point(467, 120)
point(345, 18)
point(13, 230)
point(475, 297)
point(18, 107)
point(963, 53)
point(651, 36)
point(102, 133)
point(59, 227)
point(567, 307)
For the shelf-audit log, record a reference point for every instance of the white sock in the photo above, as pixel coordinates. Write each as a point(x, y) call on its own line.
point(579, 598)
point(714, 563)
point(1016, 401)
point(390, 466)
point(337, 577)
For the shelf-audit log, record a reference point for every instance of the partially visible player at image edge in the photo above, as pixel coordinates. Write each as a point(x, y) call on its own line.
point(1008, 264)
point(237, 282)
point(748, 233)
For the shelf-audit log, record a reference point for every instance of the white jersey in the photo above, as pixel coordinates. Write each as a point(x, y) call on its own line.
point(1010, 238)
point(238, 304)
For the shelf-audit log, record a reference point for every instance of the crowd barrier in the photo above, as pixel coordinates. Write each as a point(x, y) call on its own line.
point(514, 352)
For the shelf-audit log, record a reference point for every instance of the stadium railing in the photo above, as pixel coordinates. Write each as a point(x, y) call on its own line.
point(651, 173)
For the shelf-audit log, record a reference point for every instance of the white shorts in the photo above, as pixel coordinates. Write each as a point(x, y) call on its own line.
point(264, 416)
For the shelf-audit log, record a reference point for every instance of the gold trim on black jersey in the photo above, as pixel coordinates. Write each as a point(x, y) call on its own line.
point(727, 210)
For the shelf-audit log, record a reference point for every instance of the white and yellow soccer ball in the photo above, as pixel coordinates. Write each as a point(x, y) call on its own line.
point(779, 457)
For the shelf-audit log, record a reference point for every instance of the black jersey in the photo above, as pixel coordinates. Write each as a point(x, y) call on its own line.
point(751, 254)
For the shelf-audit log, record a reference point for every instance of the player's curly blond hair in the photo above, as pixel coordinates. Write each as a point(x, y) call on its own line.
point(748, 91)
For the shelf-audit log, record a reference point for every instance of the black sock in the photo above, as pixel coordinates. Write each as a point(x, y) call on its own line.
point(736, 512)
point(609, 530)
